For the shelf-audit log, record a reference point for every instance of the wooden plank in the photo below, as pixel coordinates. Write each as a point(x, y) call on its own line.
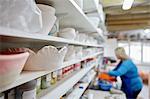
point(127, 23)
point(133, 21)
point(113, 28)
point(119, 10)
point(127, 16)
point(107, 3)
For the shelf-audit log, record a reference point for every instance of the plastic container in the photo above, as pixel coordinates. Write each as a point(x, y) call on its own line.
point(10, 94)
point(11, 65)
point(59, 74)
point(38, 86)
point(48, 80)
point(54, 78)
point(43, 82)
point(105, 86)
point(84, 63)
point(26, 91)
point(1, 96)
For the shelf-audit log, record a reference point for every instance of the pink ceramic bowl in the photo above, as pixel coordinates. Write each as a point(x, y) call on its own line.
point(11, 65)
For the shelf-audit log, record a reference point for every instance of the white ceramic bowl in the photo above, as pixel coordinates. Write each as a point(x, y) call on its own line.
point(11, 66)
point(68, 33)
point(89, 5)
point(82, 37)
point(70, 55)
point(48, 58)
point(21, 15)
point(47, 8)
point(78, 52)
point(48, 18)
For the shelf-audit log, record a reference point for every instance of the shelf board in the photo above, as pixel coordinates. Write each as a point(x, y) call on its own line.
point(94, 8)
point(27, 76)
point(58, 90)
point(77, 93)
point(72, 15)
point(18, 36)
point(79, 60)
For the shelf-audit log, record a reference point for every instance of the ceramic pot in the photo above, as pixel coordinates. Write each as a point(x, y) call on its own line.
point(11, 65)
point(68, 33)
point(70, 55)
point(48, 58)
point(48, 18)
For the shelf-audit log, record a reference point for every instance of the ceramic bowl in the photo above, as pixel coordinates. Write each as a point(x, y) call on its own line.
point(70, 55)
point(68, 33)
point(88, 51)
point(88, 5)
point(81, 37)
point(48, 18)
point(47, 8)
point(11, 65)
point(48, 58)
point(78, 52)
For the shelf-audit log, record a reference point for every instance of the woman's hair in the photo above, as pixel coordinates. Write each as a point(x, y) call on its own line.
point(121, 53)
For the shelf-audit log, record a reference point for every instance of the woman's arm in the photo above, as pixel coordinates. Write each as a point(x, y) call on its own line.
point(118, 65)
point(121, 70)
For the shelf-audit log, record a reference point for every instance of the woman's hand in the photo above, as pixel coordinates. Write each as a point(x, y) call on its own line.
point(104, 71)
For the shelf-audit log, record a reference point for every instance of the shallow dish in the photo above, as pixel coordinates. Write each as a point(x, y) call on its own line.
point(11, 65)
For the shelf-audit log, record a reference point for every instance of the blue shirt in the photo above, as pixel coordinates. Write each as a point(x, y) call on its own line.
point(128, 72)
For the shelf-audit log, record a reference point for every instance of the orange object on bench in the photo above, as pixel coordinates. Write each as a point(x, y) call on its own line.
point(105, 76)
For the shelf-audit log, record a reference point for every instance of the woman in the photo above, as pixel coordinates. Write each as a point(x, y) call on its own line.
point(127, 70)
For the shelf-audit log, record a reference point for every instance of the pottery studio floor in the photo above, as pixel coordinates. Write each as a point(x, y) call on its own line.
point(102, 94)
